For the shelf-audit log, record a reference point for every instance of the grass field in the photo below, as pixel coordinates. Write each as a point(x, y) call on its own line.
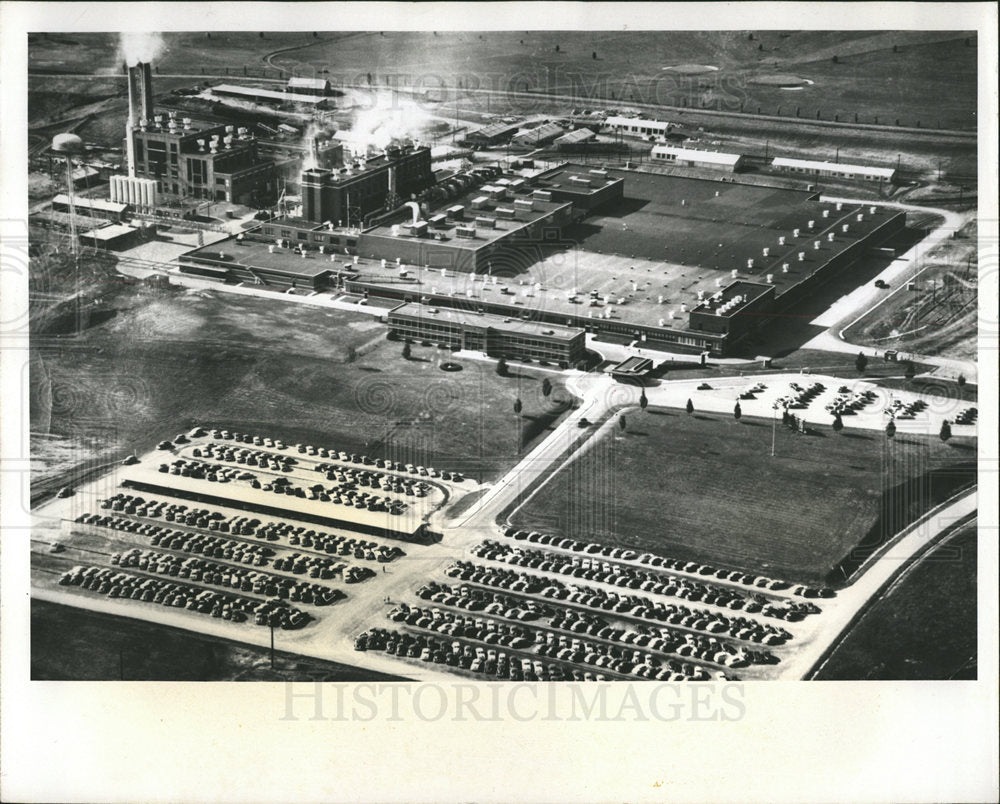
point(705, 488)
point(71, 644)
point(163, 360)
point(931, 617)
point(928, 76)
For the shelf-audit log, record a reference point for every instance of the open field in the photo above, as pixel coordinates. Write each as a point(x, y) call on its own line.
point(930, 614)
point(658, 487)
point(926, 76)
point(164, 360)
point(72, 644)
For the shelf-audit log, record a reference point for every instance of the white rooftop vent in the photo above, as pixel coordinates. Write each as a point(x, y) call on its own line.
point(830, 237)
point(826, 213)
point(770, 279)
point(734, 273)
point(840, 206)
point(795, 232)
point(861, 217)
point(766, 250)
point(816, 244)
point(845, 227)
point(812, 224)
point(802, 256)
point(871, 210)
point(784, 267)
point(781, 240)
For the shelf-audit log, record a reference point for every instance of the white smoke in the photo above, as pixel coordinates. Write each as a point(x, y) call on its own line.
point(390, 117)
point(311, 133)
point(135, 47)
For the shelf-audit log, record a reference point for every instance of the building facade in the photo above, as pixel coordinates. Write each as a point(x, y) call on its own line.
point(493, 335)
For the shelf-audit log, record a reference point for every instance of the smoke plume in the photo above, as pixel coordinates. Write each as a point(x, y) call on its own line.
point(136, 47)
point(390, 117)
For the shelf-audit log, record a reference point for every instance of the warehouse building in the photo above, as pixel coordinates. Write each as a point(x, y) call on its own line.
point(834, 170)
point(690, 157)
point(298, 85)
point(535, 137)
point(496, 336)
point(574, 139)
point(270, 97)
point(493, 134)
point(91, 207)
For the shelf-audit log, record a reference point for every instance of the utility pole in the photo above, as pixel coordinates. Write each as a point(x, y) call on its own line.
point(272, 647)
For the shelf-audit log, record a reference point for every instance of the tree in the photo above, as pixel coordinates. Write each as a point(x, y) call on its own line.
point(406, 351)
point(836, 60)
point(737, 412)
point(838, 423)
point(890, 429)
point(643, 401)
point(517, 405)
point(945, 433)
point(961, 380)
point(861, 363)
point(689, 407)
point(557, 48)
point(502, 367)
point(622, 423)
point(911, 370)
point(593, 55)
point(785, 417)
point(546, 387)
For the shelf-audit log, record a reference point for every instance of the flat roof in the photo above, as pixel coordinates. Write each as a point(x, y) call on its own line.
point(484, 234)
point(255, 254)
point(311, 83)
point(470, 318)
point(668, 250)
point(811, 164)
point(90, 203)
point(633, 365)
point(109, 232)
point(566, 178)
point(695, 155)
point(615, 120)
point(270, 94)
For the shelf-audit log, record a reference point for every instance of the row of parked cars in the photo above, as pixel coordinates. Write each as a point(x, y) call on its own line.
point(800, 397)
point(849, 403)
point(907, 410)
point(199, 470)
point(200, 570)
point(707, 571)
point(621, 575)
point(967, 416)
point(489, 662)
point(655, 638)
point(352, 478)
point(171, 539)
point(245, 457)
point(117, 584)
point(751, 393)
point(623, 604)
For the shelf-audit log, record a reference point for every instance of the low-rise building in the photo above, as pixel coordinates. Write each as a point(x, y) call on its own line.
point(833, 170)
point(494, 335)
point(691, 157)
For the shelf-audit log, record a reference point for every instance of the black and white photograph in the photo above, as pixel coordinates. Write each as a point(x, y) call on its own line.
point(609, 367)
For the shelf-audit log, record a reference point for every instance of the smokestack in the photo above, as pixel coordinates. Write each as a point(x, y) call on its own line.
point(140, 106)
point(392, 180)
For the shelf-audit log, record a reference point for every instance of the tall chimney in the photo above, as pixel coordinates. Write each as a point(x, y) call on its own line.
point(140, 106)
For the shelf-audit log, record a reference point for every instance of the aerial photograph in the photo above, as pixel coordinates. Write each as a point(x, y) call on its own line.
point(521, 356)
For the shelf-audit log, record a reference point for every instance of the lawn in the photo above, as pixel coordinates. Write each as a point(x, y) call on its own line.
point(167, 359)
point(705, 488)
point(68, 643)
point(931, 615)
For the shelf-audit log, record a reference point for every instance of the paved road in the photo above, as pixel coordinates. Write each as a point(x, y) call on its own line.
point(839, 614)
point(849, 309)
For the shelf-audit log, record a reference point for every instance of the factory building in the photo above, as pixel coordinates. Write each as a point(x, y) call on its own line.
point(690, 157)
point(189, 158)
point(834, 170)
point(541, 135)
point(493, 335)
point(493, 134)
point(345, 196)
